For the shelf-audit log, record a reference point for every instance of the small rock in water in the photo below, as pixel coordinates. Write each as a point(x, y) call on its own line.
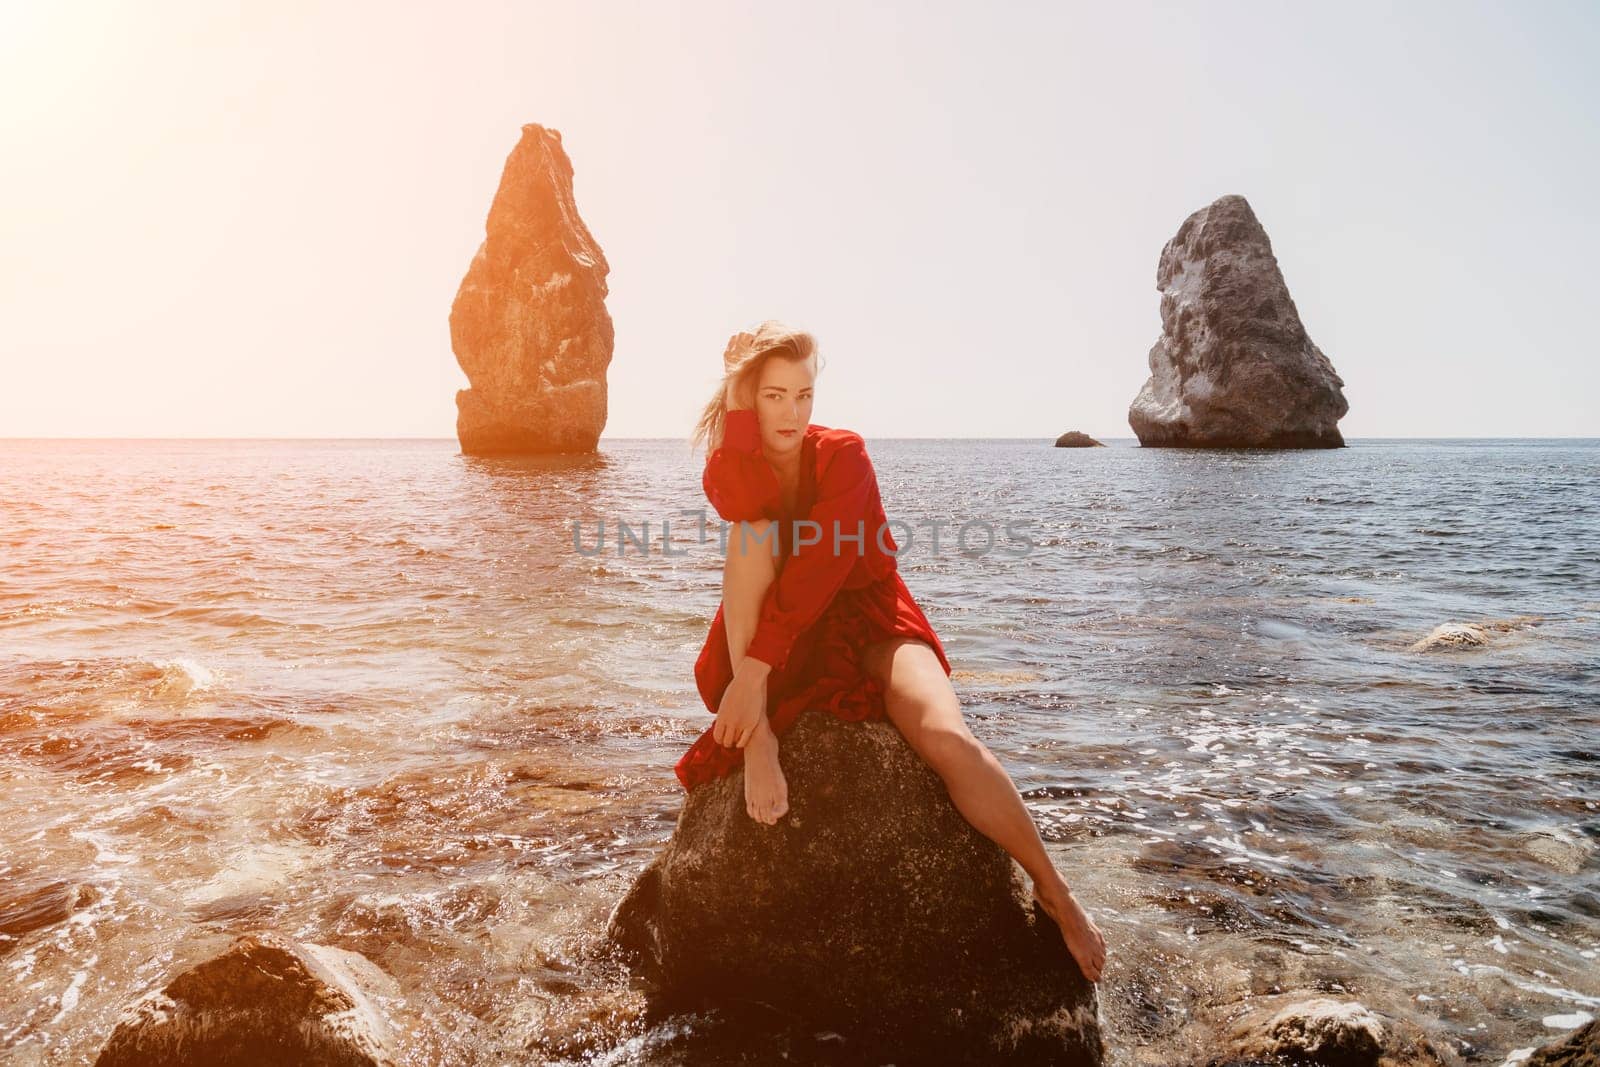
point(265, 1000)
point(1581, 1048)
point(1452, 635)
point(1558, 848)
point(1321, 1030)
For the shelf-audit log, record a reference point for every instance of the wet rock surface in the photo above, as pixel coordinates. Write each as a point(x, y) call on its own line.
point(265, 1000)
point(1581, 1048)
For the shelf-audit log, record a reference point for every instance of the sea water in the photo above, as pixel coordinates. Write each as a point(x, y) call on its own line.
point(378, 695)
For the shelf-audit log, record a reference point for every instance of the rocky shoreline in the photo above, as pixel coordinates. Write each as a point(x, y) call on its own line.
point(873, 925)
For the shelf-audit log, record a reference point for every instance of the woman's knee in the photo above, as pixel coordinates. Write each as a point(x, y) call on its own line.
point(950, 749)
point(902, 662)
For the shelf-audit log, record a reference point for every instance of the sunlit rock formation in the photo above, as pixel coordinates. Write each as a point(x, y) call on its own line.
point(529, 324)
point(872, 910)
point(265, 1000)
point(1233, 367)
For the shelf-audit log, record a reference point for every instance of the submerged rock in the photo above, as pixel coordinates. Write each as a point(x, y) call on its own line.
point(529, 324)
point(33, 903)
point(1557, 847)
point(266, 1000)
point(1452, 635)
point(1456, 635)
point(1233, 367)
point(1322, 1031)
point(1074, 439)
point(872, 909)
point(1580, 1048)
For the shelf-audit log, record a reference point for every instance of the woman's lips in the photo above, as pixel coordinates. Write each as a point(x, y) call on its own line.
point(788, 433)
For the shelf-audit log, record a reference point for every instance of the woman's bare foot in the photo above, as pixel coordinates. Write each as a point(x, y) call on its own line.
point(1082, 936)
point(766, 792)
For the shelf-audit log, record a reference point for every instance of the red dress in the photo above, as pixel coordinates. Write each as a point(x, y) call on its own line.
point(826, 606)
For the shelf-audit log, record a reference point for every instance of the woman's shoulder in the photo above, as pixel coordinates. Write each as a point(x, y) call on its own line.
point(838, 449)
point(834, 438)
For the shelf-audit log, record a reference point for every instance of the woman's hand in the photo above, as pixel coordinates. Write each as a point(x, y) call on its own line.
point(733, 397)
point(743, 704)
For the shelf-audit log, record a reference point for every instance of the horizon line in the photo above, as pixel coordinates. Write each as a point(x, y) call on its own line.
point(885, 437)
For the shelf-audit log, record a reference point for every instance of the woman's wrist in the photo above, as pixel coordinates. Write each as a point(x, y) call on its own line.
point(750, 667)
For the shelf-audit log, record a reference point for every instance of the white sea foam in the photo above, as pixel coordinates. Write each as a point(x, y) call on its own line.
point(69, 996)
point(183, 676)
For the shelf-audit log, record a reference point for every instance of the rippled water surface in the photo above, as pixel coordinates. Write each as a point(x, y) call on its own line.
point(370, 694)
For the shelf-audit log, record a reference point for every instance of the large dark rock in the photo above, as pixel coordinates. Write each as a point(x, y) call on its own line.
point(529, 324)
point(872, 909)
point(265, 1000)
point(1233, 367)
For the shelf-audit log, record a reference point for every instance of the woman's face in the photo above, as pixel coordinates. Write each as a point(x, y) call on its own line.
point(783, 402)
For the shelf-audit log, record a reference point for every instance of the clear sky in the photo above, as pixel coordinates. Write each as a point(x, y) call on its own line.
point(226, 223)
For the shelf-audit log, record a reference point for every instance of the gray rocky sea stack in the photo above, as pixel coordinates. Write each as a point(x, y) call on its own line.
point(872, 910)
point(1233, 367)
point(529, 324)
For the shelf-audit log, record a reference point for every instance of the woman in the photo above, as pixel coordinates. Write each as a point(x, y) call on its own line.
point(818, 617)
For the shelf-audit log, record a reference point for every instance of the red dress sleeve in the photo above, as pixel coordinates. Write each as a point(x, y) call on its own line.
point(847, 494)
point(738, 480)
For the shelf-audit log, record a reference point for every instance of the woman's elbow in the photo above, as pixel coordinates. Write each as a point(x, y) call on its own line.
point(752, 544)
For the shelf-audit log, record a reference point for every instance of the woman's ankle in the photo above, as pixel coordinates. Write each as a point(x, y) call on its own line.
point(763, 736)
point(1052, 885)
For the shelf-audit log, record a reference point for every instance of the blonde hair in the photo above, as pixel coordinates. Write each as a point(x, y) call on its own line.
point(742, 361)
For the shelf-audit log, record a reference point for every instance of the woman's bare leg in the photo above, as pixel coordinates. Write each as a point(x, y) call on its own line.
point(924, 707)
point(748, 569)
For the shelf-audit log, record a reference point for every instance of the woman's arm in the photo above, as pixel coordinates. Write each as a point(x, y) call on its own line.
point(743, 591)
point(738, 480)
point(745, 581)
point(742, 708)
point(847, 494)
point(743, 487)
